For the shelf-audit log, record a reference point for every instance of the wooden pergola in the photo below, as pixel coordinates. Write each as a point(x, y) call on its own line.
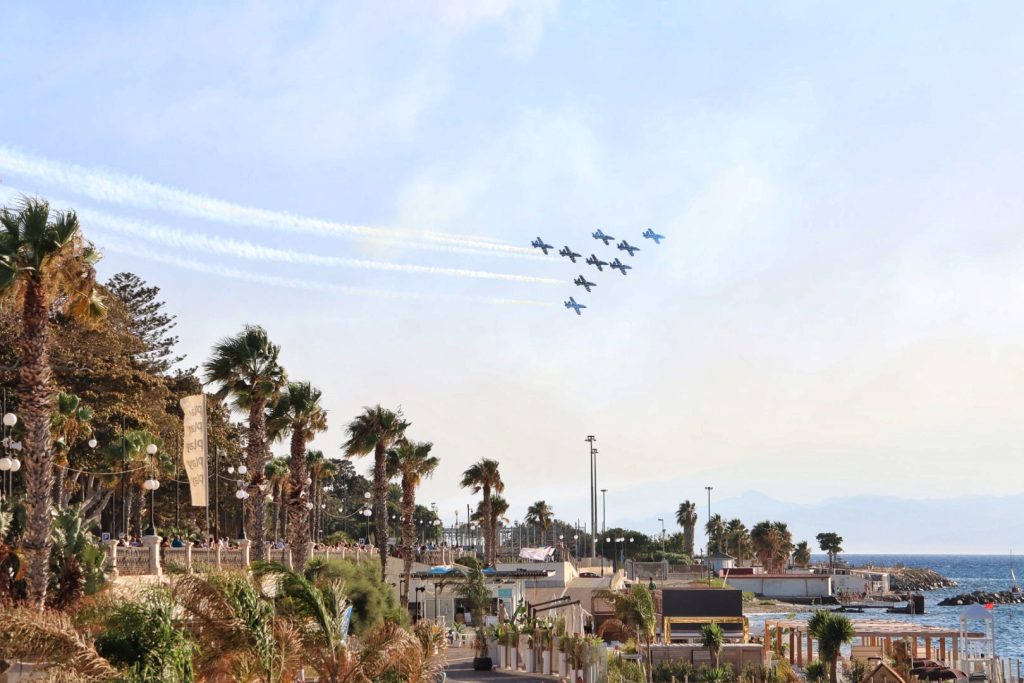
point(871, 638)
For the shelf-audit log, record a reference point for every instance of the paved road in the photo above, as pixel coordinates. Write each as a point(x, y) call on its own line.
point(460, 669)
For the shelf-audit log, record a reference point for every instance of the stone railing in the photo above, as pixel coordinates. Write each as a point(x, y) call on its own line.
point(365, 554)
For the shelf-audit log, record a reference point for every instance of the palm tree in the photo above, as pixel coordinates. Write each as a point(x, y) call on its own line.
point(44, 263)
point(772, 542)
point(831, 543)
point(490, 525)
point(320, 469)
point(540, 515)
point(686, 517)
point(633, 617)
point(240, 635)
point(802, 555)
point(737, 539)
point(376, 430)
point(712, 637)
point(715, 529)
point(413, 461)
point(69, 423)
point(298, 411)
point(276, 472)
point(484, 476)
point(831, 630)
point(247, 369)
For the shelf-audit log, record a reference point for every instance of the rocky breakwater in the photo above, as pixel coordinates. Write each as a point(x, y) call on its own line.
point(913, 580)
point(983, 598)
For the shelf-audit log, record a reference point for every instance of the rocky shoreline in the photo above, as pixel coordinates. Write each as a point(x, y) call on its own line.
point(914, 579)
point(983, 598)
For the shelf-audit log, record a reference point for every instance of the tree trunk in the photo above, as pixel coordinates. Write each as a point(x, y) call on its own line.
point(298, 513)
point(408, 536)
point(36, 380)
point(485, 524)
point(832, 666)
point(135, 510)
point(256, 455)
point(380, 504)
point(688, 539)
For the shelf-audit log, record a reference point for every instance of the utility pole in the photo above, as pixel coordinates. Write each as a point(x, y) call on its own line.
point(662, 536)
point(593, 496)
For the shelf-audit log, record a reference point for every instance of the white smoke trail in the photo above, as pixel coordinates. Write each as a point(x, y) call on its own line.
point(178, 239)
point(125, 190)
point(113, 244)
point(172, 237)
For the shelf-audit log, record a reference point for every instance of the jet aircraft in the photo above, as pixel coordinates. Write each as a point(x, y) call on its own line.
point(651, 235)
point(569, 253)
point(582, 282)
point(603, 237)
point(571, 303)
point(539, 244)
point(626, 246)
point(594, 261)
point(617, 264)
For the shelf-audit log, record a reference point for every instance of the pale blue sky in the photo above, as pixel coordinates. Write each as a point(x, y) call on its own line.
point(838, 299)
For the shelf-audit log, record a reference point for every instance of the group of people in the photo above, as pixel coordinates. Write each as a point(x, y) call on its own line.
point(178, 542)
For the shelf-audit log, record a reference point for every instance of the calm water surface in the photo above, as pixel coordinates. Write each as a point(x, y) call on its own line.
point(972, 572)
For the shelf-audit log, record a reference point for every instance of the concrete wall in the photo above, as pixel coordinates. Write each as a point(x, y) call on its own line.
point(776, 586)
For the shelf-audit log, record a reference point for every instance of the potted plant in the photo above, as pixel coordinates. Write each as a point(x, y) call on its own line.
point(474, 593)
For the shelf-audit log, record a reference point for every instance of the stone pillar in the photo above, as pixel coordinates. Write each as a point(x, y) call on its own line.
point(188, 556)
point(243, 545)
point(153, 543)
point(112, 558)
point(218, 548)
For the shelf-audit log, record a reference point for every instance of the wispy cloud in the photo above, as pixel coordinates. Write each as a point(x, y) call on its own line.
point(210, 244)
point(124, 190)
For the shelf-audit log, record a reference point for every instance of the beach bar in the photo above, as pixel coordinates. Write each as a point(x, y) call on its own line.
point(872, 639)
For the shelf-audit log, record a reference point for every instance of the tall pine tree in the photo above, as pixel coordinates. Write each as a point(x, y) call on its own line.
point(148, 321)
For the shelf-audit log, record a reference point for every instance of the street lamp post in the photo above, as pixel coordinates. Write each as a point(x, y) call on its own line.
point(151, 485)
point(662, 537)
point(593, 496)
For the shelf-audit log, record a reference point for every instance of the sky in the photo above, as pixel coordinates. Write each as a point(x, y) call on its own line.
point(834, 313)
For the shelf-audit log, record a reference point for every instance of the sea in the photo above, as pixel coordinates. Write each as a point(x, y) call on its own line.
point(972, 572)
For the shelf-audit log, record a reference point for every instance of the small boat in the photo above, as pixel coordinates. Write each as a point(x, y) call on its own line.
point(1014, 588)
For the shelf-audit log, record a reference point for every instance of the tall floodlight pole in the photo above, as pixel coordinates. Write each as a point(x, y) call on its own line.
point(604, 511)
point(593, 496)
point(707, 551)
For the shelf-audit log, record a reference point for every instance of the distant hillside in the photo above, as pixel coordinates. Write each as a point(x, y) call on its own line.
point(885, 524)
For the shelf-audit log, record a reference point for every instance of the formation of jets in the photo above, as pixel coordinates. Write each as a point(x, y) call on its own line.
point(569, 254)
point(571, 303)
point(651, 235)
point(539, 244)
point(582, 282)
point(593, 260)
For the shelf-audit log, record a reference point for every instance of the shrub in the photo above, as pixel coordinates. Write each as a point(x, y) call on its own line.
point(372, 600)
point(815, 672)
point(664, 672)
point(141, 636)
point(469, 561)
point(622, 671)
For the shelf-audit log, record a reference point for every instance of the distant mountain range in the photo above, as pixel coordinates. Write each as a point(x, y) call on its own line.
point(885, 524)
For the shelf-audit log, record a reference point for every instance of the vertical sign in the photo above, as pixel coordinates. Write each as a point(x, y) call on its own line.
point(193, 450)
